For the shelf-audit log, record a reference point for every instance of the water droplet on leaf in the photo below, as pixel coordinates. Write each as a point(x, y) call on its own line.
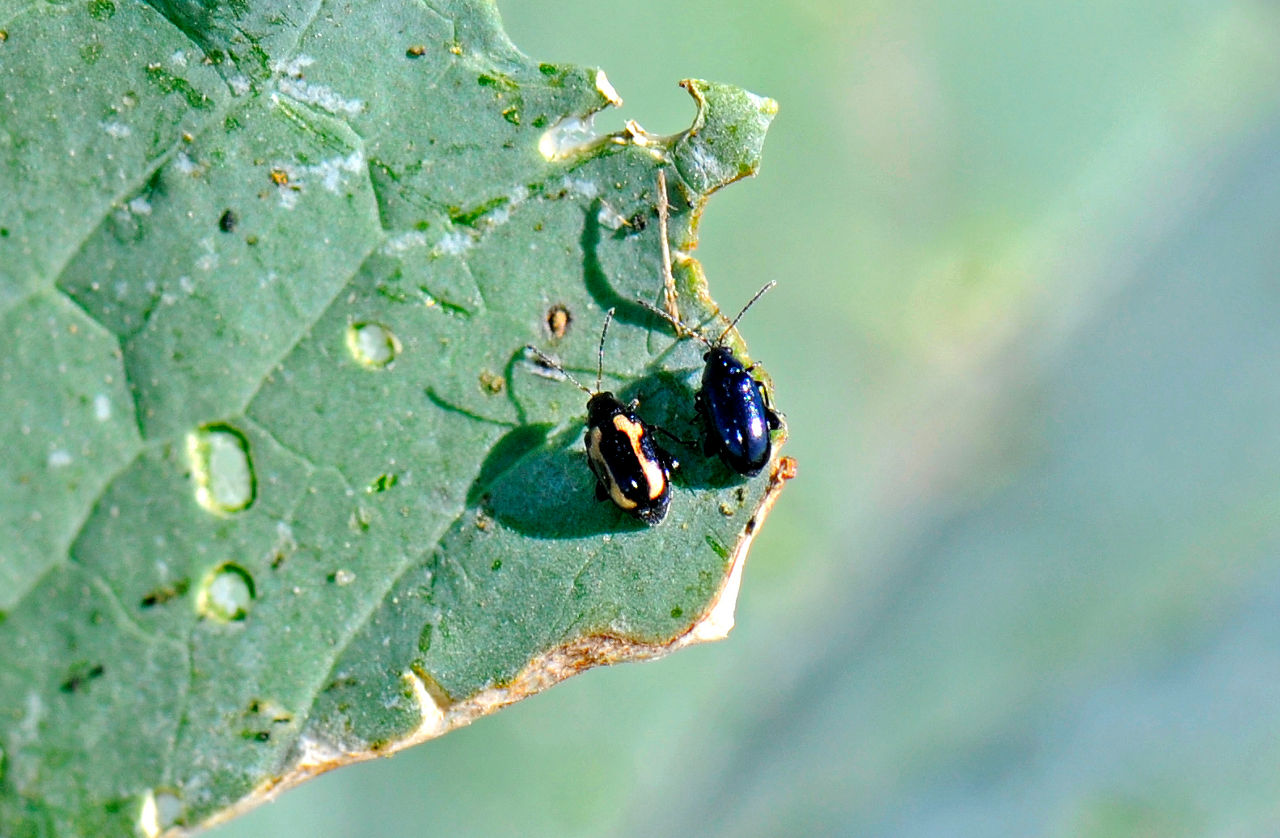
point(226, 594)
point(372, 345)
point(221, 468)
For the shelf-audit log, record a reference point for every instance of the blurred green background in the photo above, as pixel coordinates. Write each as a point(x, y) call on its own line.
point(1027, 337)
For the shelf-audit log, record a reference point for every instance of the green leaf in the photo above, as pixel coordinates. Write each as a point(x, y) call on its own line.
point(281, 491)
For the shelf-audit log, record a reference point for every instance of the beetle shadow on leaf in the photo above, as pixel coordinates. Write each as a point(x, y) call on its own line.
point(541, 487)
point(597, 281)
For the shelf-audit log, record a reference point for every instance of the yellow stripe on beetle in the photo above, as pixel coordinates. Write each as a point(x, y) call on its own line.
point(593, 451)
point(652, 471)
point(643, 462)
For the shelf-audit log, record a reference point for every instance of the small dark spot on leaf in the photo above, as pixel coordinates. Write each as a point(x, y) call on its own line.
point(227, 221)
point(279, 177)
point(382, 483)
point(548, 69)
point(638, 221)
point(256, 735)
point(165, 594)
point(559, 320)
point(251, 240)
point(360, 520)
point(491, 383)
point(512, 115)
point(416, 51)
point(80, 676)
point(169, 83)
point(4, 232)
point(539, 121)
point(497, 564)
point(4, 35)
point(676, 612)
point(750, 527)
point(101, 9)
point(340, 683)
point(714, 544)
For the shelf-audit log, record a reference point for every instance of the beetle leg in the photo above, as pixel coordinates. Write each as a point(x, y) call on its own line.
point(669, 462)
point(686, 443)
point(774, 421)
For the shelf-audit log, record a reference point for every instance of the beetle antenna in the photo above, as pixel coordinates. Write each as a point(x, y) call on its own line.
point(681, 328)
point(608, 318)
point(547, 361)
point(749, 304)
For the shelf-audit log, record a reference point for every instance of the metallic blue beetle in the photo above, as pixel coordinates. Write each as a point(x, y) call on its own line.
point(735, 411)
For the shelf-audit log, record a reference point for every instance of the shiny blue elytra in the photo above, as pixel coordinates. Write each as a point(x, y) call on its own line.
point(735, 411)
point(630, 468)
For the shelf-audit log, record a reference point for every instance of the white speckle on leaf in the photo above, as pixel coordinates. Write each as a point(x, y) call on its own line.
point(185, 165)
point(703, 160)
point(29, 726)
point(178, 58)
point(102, 407)
point(208, 260)
point(59, 458)
point(454, 243)
point(580, 187)
point(118, 130)
point(294, 66)
point(140, 206)
point(321, 96)
point(188, 287)
point(405, 241)
point(610, 218)
point(289, 196)
point(239, 85)
point(328, 172)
